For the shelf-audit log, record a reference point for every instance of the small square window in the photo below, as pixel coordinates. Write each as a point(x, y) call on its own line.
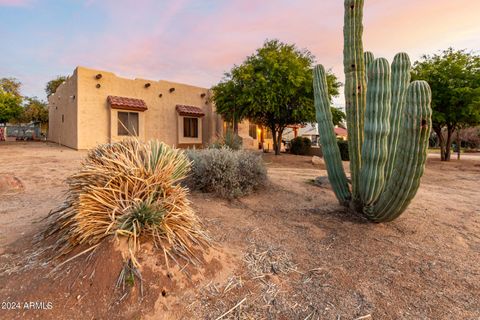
point(127, 124)
point(190, 127)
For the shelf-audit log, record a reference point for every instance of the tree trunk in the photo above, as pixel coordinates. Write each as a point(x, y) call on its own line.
point(235, 127)
point(279, 142)
point(441, 141)
point(274, 138)
point(459, 144)
point(448, 144)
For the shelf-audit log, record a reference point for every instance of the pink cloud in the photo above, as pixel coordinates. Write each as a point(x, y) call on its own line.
point(196, 41)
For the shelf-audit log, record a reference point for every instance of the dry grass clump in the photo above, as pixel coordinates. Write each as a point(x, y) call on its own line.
point(128, 190)
point(268, 260)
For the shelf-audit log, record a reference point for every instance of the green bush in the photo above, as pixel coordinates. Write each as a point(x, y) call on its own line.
point(343, 146)
point(225, 172)
point(300, 146)
point(229, 140)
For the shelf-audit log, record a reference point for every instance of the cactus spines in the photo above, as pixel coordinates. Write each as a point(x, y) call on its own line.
point(368, 58)
point(376, 129)
point(410, 161)
point(388, 121)
point(355, 84)
point(336, 175)
point(400, 79)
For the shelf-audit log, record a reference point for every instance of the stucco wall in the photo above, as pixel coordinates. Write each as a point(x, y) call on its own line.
point(97, 123)
point(64, 103)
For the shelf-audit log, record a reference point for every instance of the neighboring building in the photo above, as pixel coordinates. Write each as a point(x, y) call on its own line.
point(310, 131)
point(93, 107)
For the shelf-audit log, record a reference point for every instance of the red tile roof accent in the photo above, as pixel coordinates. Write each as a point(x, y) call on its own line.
point(126, 103)
point(340, 131)
point(189, 111)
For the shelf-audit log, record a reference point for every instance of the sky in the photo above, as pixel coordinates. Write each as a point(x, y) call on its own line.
point(197, 41)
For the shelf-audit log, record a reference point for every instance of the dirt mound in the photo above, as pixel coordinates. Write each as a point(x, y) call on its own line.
point(10, 184)
point(88, 288)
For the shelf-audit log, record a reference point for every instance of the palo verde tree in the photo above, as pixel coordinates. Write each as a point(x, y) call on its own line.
point(272, 88)
point(454, 77)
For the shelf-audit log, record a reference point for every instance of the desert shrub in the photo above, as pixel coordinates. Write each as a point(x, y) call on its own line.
point(229, 140)
point(225, 172)
point(343, 146)
point(300, 145)
point(129, 190)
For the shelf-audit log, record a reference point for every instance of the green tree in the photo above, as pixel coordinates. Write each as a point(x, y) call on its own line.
point(52, 85)
point(10, 102)
point(10, 107)
point(338, 116)
point(454, 77)
point(35, 110)
point(272, 88)
point(11, 86)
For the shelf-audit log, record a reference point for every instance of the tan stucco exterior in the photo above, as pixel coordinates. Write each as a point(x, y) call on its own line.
point(80, 116)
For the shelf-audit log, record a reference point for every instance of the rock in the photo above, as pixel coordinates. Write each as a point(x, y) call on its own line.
point(316, 160)
point(10, 184)
point(321, 181)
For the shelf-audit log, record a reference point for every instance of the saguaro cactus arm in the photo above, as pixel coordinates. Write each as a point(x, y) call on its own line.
point(376, 130)
point(355, 85)
point(410, 162)
point(368, 58)
point(331, 153)
point(400, 79)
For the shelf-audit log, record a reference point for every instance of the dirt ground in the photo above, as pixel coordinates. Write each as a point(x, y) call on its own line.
point(288, 251)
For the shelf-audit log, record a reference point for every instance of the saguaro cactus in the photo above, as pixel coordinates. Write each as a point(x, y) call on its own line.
point(388, 123)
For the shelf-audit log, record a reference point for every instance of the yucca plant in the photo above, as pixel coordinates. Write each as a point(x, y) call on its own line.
point(128, 190)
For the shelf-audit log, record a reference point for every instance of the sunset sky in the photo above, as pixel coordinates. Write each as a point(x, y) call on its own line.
point(196, 41)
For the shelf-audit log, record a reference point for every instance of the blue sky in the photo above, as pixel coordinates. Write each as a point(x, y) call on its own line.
point(195, 41)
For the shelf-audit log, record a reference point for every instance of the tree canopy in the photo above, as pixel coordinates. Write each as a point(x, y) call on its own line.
point(338, 116)
point(10, 106)
point(454, 77)
point(52, 85)
point(35, 110)
point(11, 86)
point(272, 88)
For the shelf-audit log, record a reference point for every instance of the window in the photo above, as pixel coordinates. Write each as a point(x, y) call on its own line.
point(190, 127)
point(128, 124)
point(252, 130)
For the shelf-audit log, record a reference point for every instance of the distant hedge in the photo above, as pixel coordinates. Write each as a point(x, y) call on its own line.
point(343, 146)
point(300, 146)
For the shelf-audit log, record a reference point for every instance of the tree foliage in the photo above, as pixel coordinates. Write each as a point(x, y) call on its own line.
point(35, 110)
point(52, 85)
point(338, 116)
point(454, 77)
point(272, 88)
point(10, 106)
point(11, 86)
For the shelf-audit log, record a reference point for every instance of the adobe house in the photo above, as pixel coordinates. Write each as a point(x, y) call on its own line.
point(93, 107)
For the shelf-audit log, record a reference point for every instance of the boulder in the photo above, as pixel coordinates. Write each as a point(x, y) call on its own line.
point(316, 160)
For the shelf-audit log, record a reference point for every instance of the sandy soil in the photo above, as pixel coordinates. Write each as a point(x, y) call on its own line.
point(286, 252)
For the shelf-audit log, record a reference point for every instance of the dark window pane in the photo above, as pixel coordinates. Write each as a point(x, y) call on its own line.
point(190, 127)
point(123, 123)
point(133, 123)
point(252, 131)
point(128, 124)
